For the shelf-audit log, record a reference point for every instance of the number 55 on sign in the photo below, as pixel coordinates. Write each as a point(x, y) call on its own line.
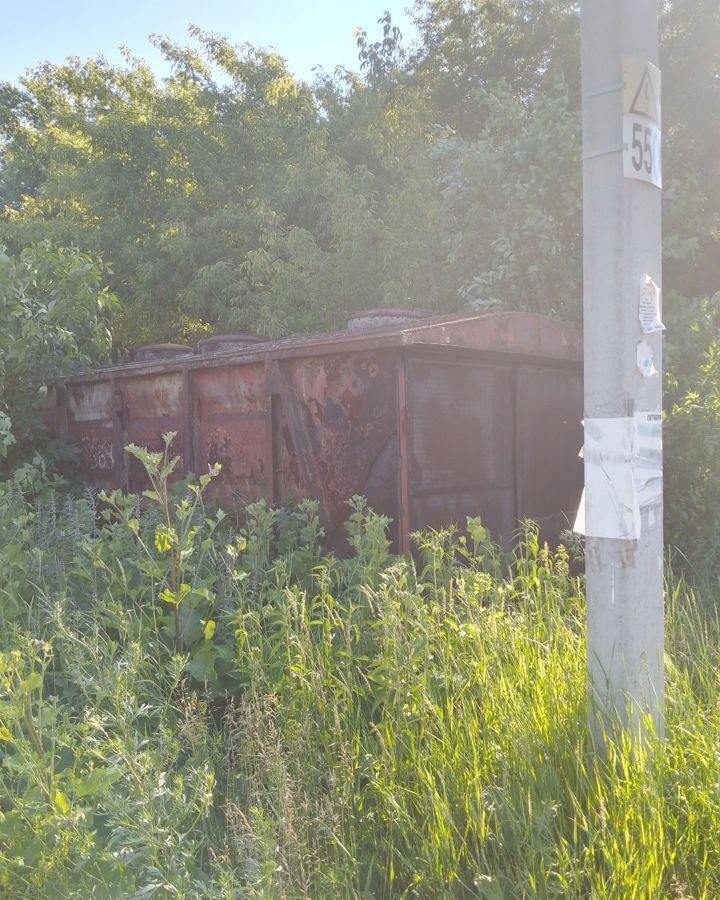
point(641, 121)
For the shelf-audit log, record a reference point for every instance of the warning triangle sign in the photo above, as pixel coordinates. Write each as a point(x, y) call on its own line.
point(646, 102)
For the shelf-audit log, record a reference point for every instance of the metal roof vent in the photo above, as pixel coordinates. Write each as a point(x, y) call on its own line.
point(149, 352)
point(384, 317)
point(240, 341)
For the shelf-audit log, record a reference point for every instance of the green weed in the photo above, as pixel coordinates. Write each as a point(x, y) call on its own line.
point(192, 709)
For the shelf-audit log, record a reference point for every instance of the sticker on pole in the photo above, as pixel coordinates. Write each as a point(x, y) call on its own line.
point(609, 507)
point(650, 312)
point(645, 361)
point(642, 121)
point(648, 467)
point(623, 476)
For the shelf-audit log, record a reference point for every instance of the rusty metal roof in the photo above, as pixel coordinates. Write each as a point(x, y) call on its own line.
point(520, 333)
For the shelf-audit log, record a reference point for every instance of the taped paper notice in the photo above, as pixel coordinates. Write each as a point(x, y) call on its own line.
point(650, 314)
point(609, 507)
point(623, 476)
point(648, 471)
point(645, 361)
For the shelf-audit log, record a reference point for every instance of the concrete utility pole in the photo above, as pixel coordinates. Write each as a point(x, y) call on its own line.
point(623, 361)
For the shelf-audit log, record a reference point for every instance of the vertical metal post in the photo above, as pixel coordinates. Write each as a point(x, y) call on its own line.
point(403, 463)
point(622, 246)
point(188, 441)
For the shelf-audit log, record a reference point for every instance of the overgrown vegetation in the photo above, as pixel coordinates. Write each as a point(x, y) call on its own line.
point(54, 318)
point(192, 709)
point(231, 196)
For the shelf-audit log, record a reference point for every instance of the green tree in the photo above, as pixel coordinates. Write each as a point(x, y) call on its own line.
point(168, 181)
point(467, 47)
point(231, 196)
point(54, 317)
point(485, 221)
point(527, 198)
point(692, 431)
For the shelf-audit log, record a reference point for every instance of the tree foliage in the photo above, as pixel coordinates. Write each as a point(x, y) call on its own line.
point(230, 196)
point(53, 321)
point(168, 181)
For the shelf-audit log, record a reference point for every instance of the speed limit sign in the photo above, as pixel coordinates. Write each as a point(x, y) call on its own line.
point(642, 156)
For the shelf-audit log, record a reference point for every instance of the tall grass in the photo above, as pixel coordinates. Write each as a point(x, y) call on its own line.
point(369, 727)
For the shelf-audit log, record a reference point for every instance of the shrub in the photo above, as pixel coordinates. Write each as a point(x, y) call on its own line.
point(294, 725)
point(54, 316)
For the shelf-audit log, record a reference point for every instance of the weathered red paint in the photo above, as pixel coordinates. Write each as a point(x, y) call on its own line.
point(431, 420)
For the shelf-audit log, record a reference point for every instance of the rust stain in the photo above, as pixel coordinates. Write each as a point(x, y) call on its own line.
point(219, 449)
point(414, 416)
point(627, 554)
point(97, 455)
